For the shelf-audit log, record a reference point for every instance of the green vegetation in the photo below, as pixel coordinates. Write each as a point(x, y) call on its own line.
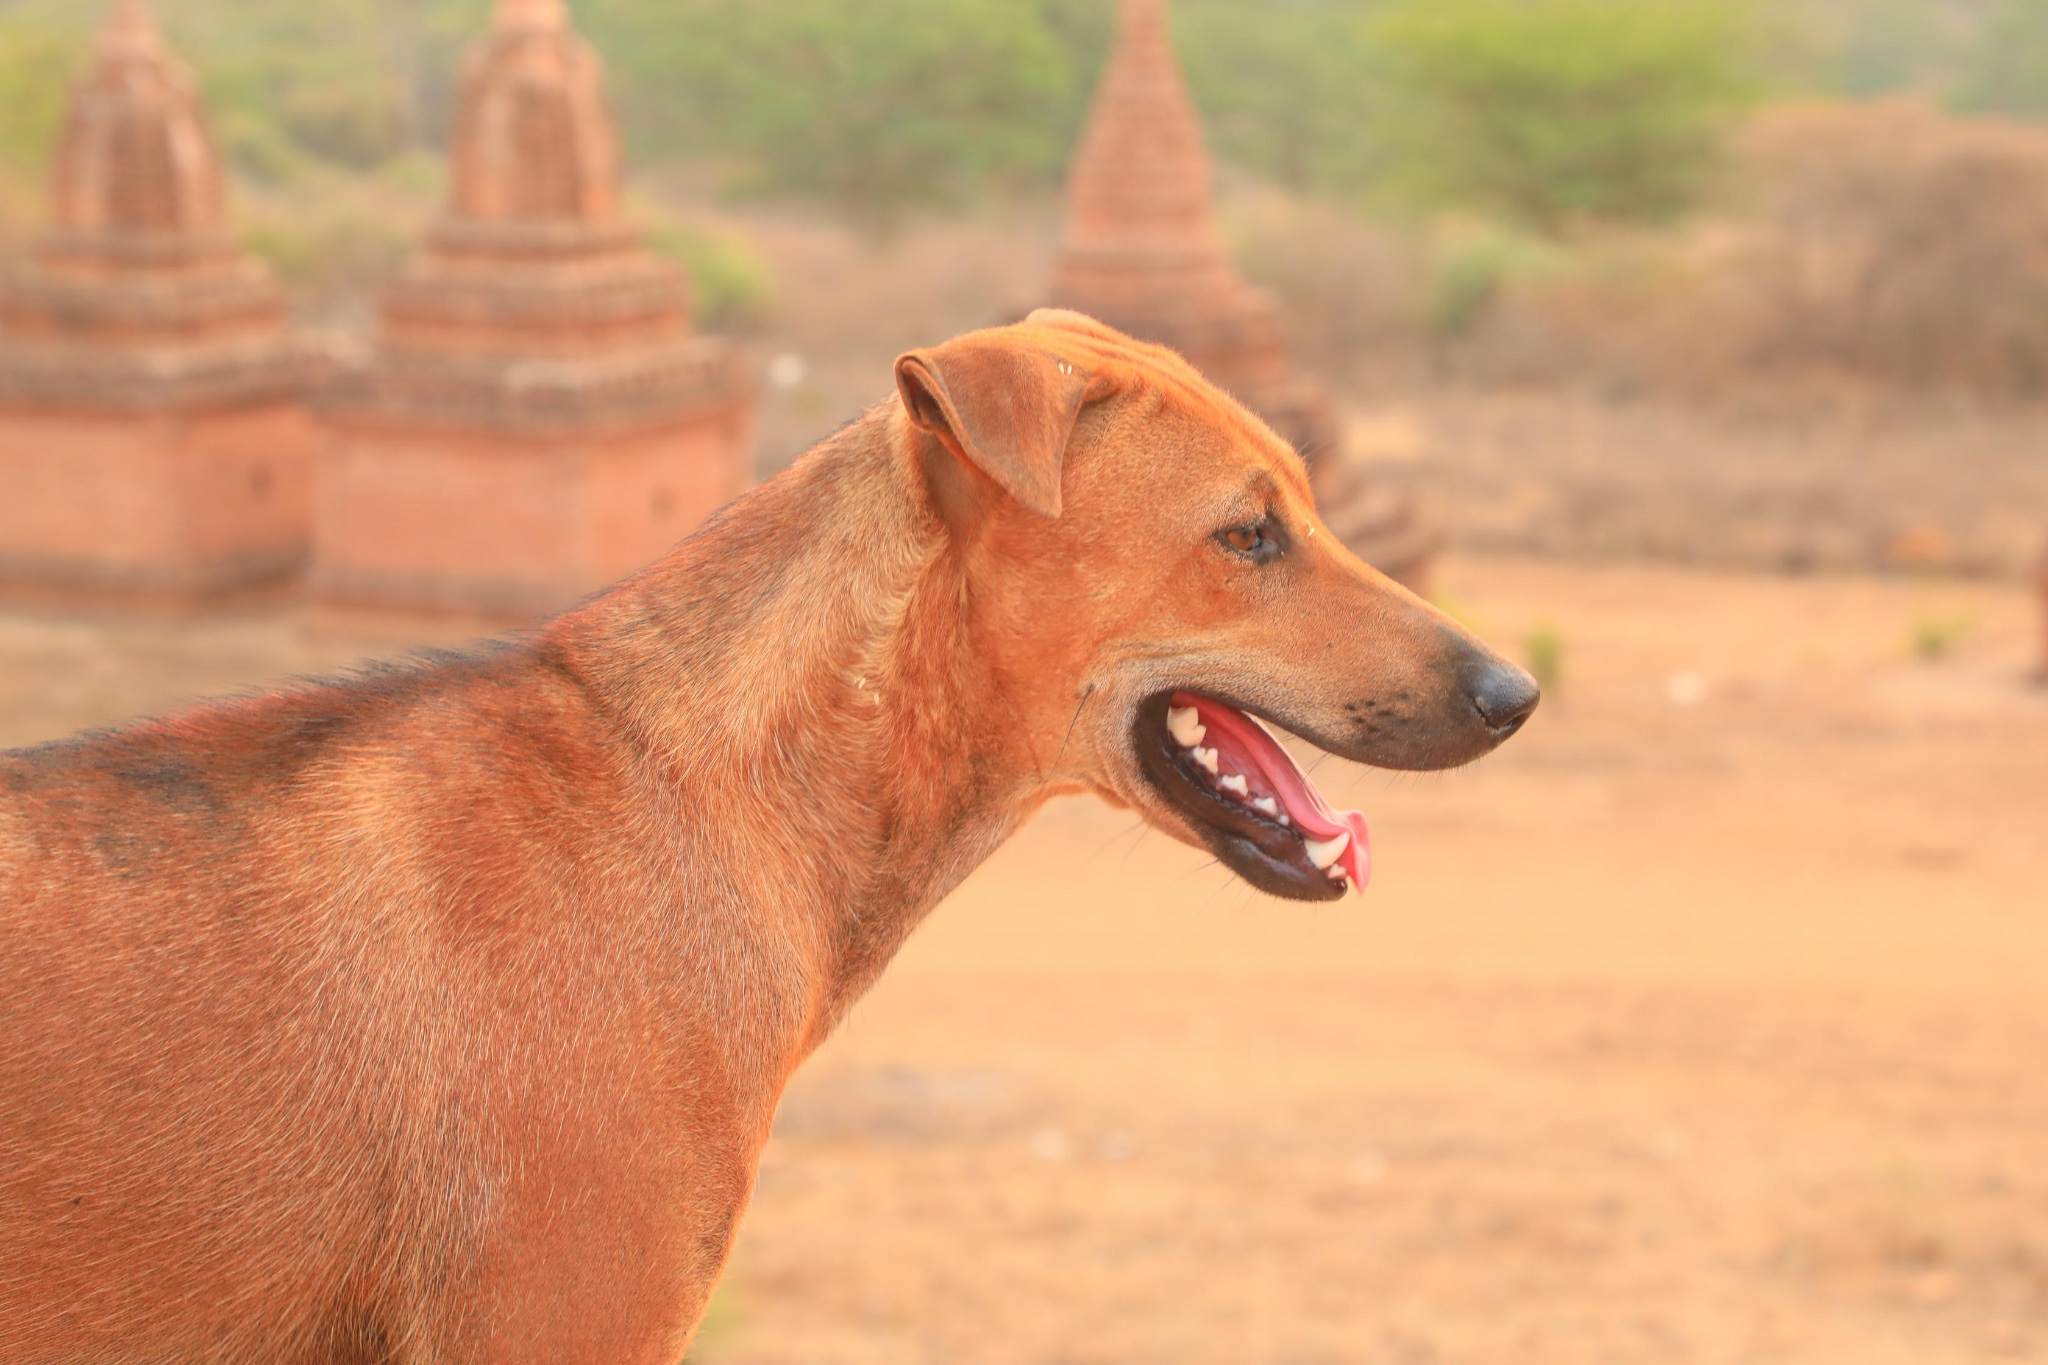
point(902, 102)
point(876, 107)
point(735, 284)
point(1469, 274)
point(1537, 113)
point(1286, 89)
point(1550, 112)
point(1543, 654)
point(2007, 71)
point(1886, 45)
point(333, 238)
point(35, 60)
point(1935, 638)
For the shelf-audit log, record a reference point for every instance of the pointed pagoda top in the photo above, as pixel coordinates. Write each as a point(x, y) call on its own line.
point(1142, 175)
point(138, 298)
point(1141, 251)
point(532, 260)
point(136, 159)
point(545, 16)
point(129, 33)
point(534, 140)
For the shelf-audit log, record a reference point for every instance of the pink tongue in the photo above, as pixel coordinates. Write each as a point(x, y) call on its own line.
point(1250, 749)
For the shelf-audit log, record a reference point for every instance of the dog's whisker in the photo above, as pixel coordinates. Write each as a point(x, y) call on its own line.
point(1144, 832)
point(1136, 825)
point(1223, 884)
point(1086, 693)
point(1199, 869)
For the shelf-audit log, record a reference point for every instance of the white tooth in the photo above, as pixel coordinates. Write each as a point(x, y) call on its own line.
point(1338, 874)
point(1266, 805)
point(1184, 723)
point(1284, 821)
point(1235, 783)
point(1207, 758)
point(1324, 854)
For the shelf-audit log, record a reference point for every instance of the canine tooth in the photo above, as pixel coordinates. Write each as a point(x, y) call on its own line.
point(1184, 723)
point(1324, 854)
point(1235, 783)
point(1207, 758)
point(1338, 874)
point(1266, 805)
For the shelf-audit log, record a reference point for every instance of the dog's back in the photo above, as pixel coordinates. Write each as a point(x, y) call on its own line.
point(439, 1013)
point(226, 1041)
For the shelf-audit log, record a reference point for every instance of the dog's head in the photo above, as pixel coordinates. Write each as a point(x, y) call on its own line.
point(1149, 578)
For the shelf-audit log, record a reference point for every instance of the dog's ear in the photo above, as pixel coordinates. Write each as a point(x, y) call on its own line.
point(1006, 407)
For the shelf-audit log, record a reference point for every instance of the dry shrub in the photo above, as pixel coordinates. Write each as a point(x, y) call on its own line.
point(1881, 244)
point(1903, 243)
point(1620, 312)
point(1350, 287)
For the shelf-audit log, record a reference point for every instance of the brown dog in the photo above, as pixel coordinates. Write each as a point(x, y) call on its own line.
point(439, 1015)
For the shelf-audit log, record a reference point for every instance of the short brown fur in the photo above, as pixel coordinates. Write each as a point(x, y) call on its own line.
point(440, 1014)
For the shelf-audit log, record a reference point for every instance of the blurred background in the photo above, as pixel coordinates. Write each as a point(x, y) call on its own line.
point(1694, 351)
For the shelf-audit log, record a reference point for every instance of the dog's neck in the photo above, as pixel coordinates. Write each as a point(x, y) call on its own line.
point(807, 662)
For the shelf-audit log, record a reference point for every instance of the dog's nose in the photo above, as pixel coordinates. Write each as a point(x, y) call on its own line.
point(1505, 695)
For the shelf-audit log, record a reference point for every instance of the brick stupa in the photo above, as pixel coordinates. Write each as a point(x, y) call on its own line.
point(537, 419)
point(1141, 252)
point(152, 441)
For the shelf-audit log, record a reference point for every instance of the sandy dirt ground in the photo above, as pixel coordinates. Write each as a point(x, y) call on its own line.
point(1707, 1022)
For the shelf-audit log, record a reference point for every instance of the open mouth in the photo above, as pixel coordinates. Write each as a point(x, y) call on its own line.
point(1257, 809)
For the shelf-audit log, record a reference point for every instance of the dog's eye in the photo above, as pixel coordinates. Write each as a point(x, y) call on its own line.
point(1256, 541)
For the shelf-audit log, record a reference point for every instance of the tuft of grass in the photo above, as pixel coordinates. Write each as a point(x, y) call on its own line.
point(721, 1321)
point(1935, 638)
point(1543, 652)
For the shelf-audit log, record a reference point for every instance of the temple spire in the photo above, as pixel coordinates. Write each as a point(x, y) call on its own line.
point(1142, 253)
point(1142, 176)
point(547, 16)
point(534, 138)
point(136, 158)
point(1141, 250)
point(129, 31)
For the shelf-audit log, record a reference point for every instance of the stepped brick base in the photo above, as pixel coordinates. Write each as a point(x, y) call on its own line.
point(414, 519)
point(161, 507)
